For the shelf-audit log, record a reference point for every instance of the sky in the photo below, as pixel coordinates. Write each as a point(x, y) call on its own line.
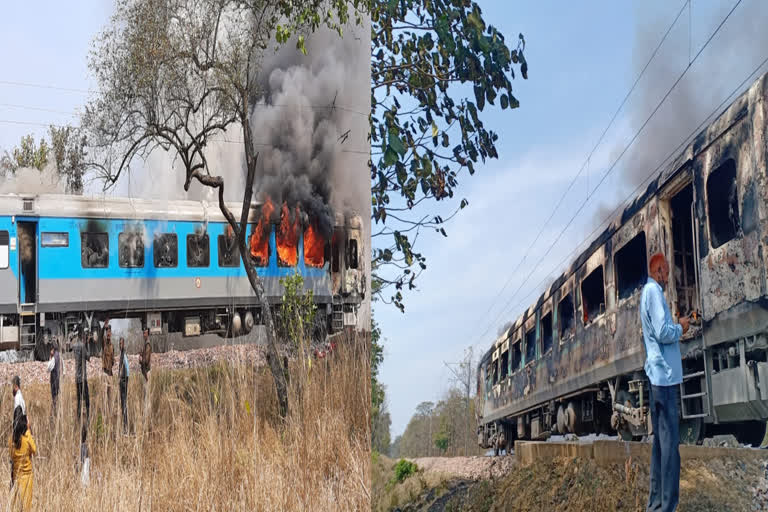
point(582, 58)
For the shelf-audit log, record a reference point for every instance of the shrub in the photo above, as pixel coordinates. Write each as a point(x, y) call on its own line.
point(404, 469)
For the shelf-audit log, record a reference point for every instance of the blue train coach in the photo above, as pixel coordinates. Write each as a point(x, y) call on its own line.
point(71, 260)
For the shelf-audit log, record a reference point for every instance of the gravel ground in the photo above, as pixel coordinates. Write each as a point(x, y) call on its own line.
point(35, 371)
point(472, 468)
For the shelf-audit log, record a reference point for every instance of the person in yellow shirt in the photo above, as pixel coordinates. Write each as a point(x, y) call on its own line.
point(22, 448)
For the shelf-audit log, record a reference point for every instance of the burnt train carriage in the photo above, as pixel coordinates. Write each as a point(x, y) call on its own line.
point(573, 362)
point(67, 260)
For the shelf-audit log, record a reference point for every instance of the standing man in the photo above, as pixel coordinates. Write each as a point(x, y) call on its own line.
point(124, 373)
point(664, 368)
point(54, 368)
point(145, 359)
point(81, 376)
point(108, 360)
point(18, 399)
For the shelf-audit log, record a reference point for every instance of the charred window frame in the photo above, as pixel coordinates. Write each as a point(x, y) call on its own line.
point(593, 295)
point(565, 315)
point(127, 256)
point(517, 355)
point(631, 264)
point(54, 239)
point(723, 204)
point(229, 252)
point(546, 333)
point(198, 250)
point(4, 249)
point(257, 261)
point(504, 364)
point(530, 345)
point(495, 372)
point(94, 250)
point(165, 250)
point(352, 256)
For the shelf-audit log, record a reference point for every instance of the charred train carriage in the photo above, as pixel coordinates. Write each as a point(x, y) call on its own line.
point(573, 362)
point(67, 261)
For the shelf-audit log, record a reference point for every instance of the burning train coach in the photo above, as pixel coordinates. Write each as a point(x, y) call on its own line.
point(67, 261)
point(573, 362)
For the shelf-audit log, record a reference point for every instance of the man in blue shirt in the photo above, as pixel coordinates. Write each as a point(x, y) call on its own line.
point(664, 368)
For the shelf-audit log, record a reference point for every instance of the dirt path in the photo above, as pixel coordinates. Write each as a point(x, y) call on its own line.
point(472, 468)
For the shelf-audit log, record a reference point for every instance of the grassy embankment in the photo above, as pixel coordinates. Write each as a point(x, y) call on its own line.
point(213, 441)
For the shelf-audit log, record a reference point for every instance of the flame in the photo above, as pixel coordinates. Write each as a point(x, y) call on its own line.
point(260, 236)
point(288, 238)
point(314, 248)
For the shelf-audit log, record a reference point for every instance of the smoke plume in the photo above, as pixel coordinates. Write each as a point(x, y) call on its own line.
point(729, 58)
point(31, 181)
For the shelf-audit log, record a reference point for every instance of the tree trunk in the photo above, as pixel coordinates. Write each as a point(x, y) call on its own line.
point(273, 359)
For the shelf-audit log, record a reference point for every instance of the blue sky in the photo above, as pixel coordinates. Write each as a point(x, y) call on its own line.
point(583, 59)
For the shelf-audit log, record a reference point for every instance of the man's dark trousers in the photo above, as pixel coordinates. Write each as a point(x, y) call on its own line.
point(665, 455)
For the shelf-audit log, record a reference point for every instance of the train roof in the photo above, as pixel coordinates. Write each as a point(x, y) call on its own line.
point(738, 109)
point(106, 207)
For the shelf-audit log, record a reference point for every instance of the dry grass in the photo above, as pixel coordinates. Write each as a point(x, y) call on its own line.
point(213, 443)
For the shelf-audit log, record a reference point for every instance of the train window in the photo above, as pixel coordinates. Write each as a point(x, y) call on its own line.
point(94, 250)
point(49, 239)
point(565, 312)
point(504, 364)
point(530, 345)
point(259, 244)
point(631, 266)
point(517, 356)
point(352, 253)
point(593, 295)
point(198, 250)
point(546, 332)
point(4, 249)
point(723, 201)
point(130, 249)
point(165, 250)
point(229, 252)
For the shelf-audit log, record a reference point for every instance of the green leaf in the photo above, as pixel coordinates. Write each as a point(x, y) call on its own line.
point(390, 157)
point(504, 101)
point(434, 129)
point(396, 144)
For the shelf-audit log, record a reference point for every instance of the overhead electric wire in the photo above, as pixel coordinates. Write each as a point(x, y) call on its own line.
point(589, 157)
point(613, 166)
point(648, 178)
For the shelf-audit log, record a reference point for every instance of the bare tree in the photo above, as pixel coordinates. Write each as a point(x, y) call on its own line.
point(176, 75)
point(462, 378)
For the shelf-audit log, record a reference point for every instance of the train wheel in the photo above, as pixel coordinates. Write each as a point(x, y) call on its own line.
point(691, 430)
point(751, 432)
point(627, 399)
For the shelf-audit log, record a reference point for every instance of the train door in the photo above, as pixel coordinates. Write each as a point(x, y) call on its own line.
point(27, 252)
point(682, 269)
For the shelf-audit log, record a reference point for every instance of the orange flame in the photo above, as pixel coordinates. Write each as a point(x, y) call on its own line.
point(314, 248)
point(288, 238)
point(260, 237)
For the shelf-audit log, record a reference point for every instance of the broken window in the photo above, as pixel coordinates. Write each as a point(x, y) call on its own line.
point(314, 247)
point(94, 250)
point(229, 252)
point(517, 356)
point(565, 313)
point(494, 372)
point(130, 249)
point(198, 250)
point(50, 239)
point(165, 250)
point(723, 201)
point(546, 332)
point(593, 295)
point(504, 364)
point(352, 253)
point(4, 250)
point(530, 345)
point(630, 263)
